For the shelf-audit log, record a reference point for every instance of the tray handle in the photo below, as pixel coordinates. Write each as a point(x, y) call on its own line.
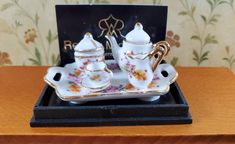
point(167, 72)
point(51, 73)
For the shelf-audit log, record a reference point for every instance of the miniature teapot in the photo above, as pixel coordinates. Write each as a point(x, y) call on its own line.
point(88, 50)
point(137, 42)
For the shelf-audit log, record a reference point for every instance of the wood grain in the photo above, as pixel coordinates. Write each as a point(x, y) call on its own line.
point(210, 93)
point(117, 140)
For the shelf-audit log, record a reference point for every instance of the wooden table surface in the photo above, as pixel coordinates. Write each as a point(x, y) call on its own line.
point(210, 93)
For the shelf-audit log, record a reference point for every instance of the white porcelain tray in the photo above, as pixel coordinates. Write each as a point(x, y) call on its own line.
point(68, 88)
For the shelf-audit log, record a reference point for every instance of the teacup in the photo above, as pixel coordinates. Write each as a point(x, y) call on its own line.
point(83, 61)
point(97, 77)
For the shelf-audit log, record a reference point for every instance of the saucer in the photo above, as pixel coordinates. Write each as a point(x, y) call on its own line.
point(98, 81)
point(85, 83)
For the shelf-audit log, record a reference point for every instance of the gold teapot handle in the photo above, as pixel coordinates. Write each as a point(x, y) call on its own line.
point(160, 50)
point(165, 45)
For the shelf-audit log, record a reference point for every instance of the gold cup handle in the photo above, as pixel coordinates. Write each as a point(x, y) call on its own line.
point(108, 71)
point(160, 50)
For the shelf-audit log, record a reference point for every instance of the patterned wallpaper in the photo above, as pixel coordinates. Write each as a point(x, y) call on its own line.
point(201, 32)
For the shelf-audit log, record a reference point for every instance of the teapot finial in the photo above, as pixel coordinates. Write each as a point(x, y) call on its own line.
point(88, 35)
point(138, 25)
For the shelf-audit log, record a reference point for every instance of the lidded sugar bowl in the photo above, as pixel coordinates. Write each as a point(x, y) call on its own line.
point(88, 50)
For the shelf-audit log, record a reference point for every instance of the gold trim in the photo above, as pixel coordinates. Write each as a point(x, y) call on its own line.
point(94, 70)
point(70, 98)
point(164, 45)
point(174, 78)
point(102, 87)
point(161, 49)
point(93, 50)
point(160, 55)
point(134, 56)
point(49, 83)
point(89, 56)
point(137, 92)
point(104, 69)
point(136, 43)
point(109, 27)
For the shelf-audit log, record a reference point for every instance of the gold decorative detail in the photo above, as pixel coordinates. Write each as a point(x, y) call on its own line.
point(107, 46)
point(108, 54)
point(90, 50)
point(161, 49)
point(111, 26)
point(68, 45)
point(136, 43)
point(97, 88)
point(77, 98)
point(94, 56)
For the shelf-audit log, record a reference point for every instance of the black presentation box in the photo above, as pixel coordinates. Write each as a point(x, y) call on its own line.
point(73, 21)
point(171, 108)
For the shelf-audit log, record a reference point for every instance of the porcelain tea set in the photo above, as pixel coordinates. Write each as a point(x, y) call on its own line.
point(135, 72)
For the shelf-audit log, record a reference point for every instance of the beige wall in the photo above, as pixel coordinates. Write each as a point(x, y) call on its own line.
point(202, 32)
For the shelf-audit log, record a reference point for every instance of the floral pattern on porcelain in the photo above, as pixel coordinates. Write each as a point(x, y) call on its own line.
point(140, 75)
point(136, 41)
point(82, 62)
point(75, 76)
point(113, 66)
point(69, 88)
point(74, 87)
point(96, 77)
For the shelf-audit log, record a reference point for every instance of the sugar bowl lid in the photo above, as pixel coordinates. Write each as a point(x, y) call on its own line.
point(138, 35)
point(88, 44)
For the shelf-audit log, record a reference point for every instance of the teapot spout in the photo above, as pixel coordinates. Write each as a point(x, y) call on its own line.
point(114, 46)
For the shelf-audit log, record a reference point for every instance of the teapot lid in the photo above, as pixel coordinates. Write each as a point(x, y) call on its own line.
point(138, 35)
point(88, 44)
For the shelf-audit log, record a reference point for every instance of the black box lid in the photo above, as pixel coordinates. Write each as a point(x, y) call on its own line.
point(73, 21)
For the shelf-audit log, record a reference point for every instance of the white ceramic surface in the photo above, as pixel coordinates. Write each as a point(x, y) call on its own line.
point(137, 42)
point(82, 62)
point(88, 44)
point(94, 86)
point(138, 35)
point(69, 87)
point(87, 51)
point(96, 66)
point(140, 73)
point(98, 76)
